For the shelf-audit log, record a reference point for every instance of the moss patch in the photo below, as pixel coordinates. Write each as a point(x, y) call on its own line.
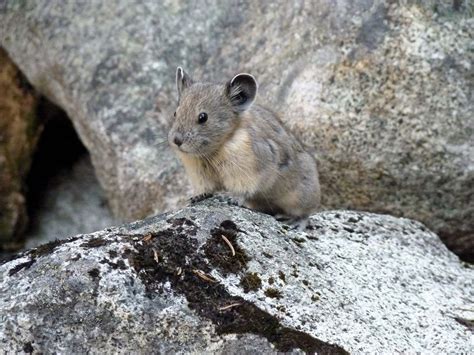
point(267, 255)
point(36, 253)
point(95, 243)
point(21, 266)
point(94, 273)
point(251, 282)
point(298, 241)
point(273, 293)
point(179, 251)
point(45, 249)
point(220, 253)
point(28, 348)
point(115, 265)
point(183, 225)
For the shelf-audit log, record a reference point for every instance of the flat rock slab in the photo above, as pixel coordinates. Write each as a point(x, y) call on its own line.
point(220, 278)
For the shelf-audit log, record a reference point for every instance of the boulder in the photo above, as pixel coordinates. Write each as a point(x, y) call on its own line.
point(214, 277)
point(381, 91)
point(19, 133)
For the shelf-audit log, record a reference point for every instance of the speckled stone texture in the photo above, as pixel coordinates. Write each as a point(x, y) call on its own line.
point(355, 282)
point(19, 132)
point(382, 92)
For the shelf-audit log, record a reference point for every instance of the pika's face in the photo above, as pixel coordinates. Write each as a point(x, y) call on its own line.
point(207, 114)
point(203, 120)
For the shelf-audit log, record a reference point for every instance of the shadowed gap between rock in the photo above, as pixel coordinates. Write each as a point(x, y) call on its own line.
point(58, 148)
point(64, 197)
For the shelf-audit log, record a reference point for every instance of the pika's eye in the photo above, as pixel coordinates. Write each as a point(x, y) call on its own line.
point(202, 117)
point(174, 114)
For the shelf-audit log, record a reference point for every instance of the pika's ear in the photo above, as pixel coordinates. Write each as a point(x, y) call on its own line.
point(241, 91)
point(183, 81)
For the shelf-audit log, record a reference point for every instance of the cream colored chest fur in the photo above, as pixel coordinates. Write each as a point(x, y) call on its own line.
point(233, 168)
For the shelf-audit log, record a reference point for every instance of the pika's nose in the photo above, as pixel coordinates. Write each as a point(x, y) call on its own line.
point(178, 139)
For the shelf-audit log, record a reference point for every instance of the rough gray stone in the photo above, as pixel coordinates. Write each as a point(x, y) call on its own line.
point(362, 282)
point(383, 92)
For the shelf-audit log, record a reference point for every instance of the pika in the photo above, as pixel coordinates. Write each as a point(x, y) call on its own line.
point(227, 142)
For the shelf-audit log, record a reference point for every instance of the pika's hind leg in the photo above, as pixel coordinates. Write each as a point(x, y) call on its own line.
point(262, 205)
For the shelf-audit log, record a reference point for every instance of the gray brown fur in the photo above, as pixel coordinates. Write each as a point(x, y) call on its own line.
point(242, 148)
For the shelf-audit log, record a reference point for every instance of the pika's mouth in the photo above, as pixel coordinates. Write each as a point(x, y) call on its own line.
point(179, 149)
point(182, 149)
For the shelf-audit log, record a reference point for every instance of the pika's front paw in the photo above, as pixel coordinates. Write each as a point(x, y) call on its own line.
point(296, 223)
point(200, 197)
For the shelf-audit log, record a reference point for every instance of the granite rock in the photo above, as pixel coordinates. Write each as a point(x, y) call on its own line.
point(381, 91)
point(218, 278)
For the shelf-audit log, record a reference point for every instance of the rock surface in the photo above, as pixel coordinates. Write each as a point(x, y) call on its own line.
point(19, 133)
point(383, 92)
point(355, 282)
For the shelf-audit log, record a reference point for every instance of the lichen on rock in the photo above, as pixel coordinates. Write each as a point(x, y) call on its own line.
point(359, 282)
